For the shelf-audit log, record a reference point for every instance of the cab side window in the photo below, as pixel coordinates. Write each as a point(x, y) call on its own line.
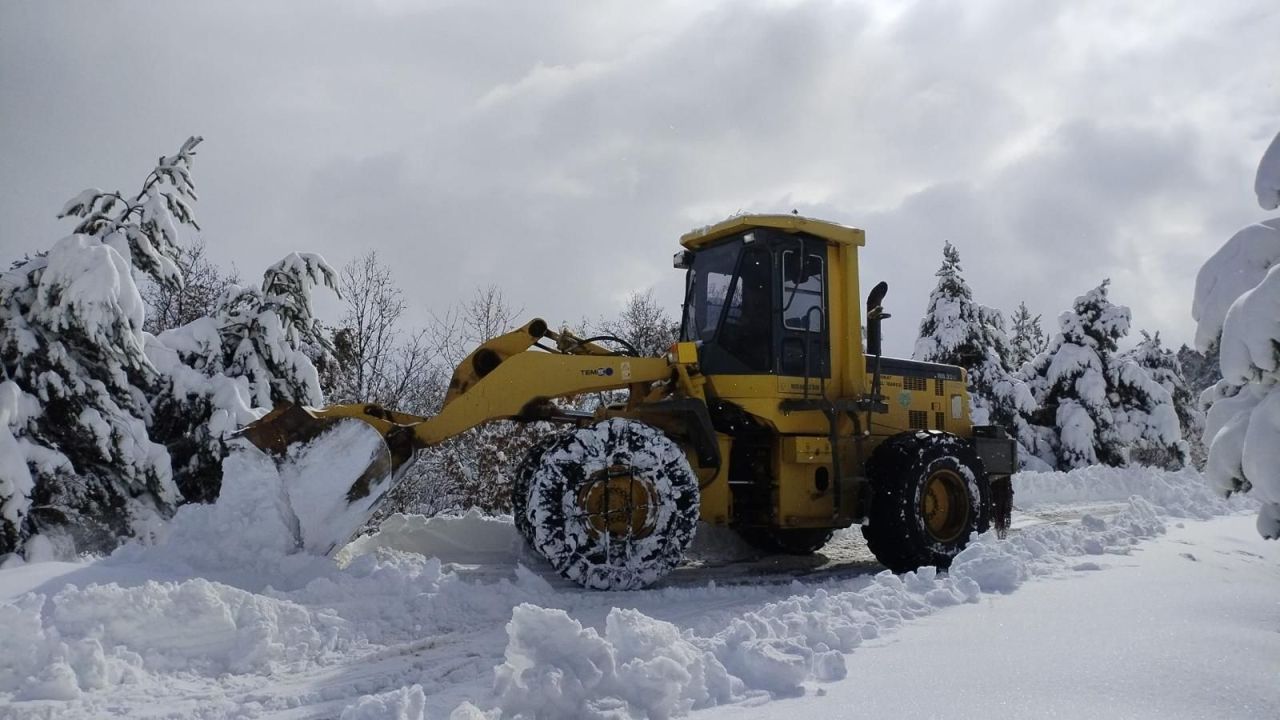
point(803, 286)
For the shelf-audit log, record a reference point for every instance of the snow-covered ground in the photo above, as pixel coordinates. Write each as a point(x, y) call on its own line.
point(1120, 593)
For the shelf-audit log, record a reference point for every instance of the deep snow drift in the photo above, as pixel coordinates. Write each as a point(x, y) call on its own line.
point(221, 619)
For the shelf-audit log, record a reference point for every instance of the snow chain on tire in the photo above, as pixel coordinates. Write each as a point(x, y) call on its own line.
point(930, 492)
point(612, 506)
point(520, 486)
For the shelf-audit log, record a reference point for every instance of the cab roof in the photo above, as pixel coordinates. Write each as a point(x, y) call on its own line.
point(832, 232)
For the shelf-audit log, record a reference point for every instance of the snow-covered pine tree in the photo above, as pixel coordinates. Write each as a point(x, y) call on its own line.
point(1162, 365)
point(1099, 404)
point(958, 331)
point(1028, 339)
point(1199, 369)
point(1237, 301)
point(274, 331)
point(79, 466)
point(226, 370)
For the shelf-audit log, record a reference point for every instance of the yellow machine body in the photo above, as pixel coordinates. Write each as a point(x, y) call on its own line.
point(800, 462)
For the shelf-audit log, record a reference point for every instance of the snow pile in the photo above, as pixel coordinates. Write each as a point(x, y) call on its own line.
point(556, 668)
point(194, 626)
point(1183, 493)
point(404, 704)
point(393, 597)
point(252, 535)
point(996, 566)
point(82, 638)
point(471, 538)
point(644, 667)
point(246, 539)
point(394, 634)
point(91, 638)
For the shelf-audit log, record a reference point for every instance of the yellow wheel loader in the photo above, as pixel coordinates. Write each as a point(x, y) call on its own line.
point(768, 416)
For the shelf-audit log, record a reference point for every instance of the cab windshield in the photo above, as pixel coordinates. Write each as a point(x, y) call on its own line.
point(707, 290)
point(728, 307)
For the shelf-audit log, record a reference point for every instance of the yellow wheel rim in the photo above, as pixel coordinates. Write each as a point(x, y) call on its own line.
point(944, 505)
point(615, 502)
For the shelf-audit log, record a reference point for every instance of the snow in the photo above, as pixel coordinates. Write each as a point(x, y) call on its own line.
point(1249, 332)
point(221, 618)
point(199, 341)
point(319, 478)
point(1105, 405)
point(1236, 299)
point(250, 538)
point(556, 668)
point(958, 331)
point(1260, 459)
point(16, 483)
point(1153, 636)
point(1237, 266)
point(88, 287)
point(403, 704)
point(1076, 433)
point(472, 538)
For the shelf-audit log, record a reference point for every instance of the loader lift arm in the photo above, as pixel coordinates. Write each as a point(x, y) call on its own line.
point(512, 376)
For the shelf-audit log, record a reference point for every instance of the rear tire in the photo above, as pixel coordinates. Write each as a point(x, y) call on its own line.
point(930, 492)
point(788, 541)
point(612, 506)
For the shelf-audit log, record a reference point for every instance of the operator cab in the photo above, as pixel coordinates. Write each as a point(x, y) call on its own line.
point(758, 295)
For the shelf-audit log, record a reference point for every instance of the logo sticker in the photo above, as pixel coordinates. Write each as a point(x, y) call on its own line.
point(904, 398)
point(626, 370)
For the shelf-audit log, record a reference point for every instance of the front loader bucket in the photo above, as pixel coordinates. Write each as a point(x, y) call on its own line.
point(283, 427)
point(334, 471)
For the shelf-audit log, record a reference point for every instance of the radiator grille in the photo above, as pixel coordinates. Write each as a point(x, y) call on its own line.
point(915, 383)
point(918, 420)
point(941, 418)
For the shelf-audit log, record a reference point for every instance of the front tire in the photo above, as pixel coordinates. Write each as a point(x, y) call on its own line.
point(612, 506)
point(930, 493)
point(523, 480)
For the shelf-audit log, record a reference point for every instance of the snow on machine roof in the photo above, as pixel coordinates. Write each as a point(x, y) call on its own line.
point(833, 232)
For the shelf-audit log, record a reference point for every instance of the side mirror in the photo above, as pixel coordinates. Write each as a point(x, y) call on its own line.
point(875, 313)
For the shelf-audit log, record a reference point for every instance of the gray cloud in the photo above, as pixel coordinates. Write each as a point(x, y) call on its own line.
point(558, 150)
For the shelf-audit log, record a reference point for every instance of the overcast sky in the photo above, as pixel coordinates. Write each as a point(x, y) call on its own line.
point(558, 149)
